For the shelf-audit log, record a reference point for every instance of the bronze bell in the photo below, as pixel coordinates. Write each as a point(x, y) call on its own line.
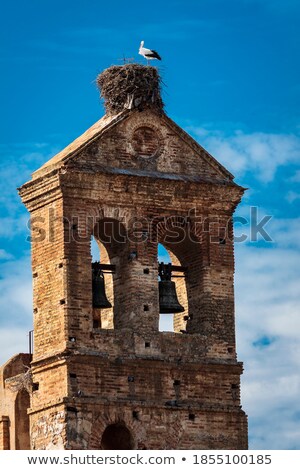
point(99, 297)
point(168, 301)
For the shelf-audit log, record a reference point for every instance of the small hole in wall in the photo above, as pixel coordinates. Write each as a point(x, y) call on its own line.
point(74, 226)
point(146, 271)
point(222, 241)
point(176, 382)
point(130, 378)
point(135, 415)
point(72, 339)
point(62, 301)
point(230, 350)
point(234, 386)
point(96, 324)
point(191, 417)
point(35, 386)
point(60, 265)
point(73, 376)
point(147, 344)
point(35, 275)
point(35, 310)
point(146, 308)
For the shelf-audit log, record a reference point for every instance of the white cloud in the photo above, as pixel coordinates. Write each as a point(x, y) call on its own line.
point(11, 226)
point(13, 341)
point(16, 294)
point(275, 231)
point(285, 232)
point(259, 153)
point(296, 177)
point(17, 162)
point(4, 255)
point(267, 306)
point(292, 196)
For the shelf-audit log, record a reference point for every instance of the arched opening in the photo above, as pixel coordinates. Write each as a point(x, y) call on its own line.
point(175, 322)
point(177, 236)
point(22, 403)
point(108, 242)
point(166, 321)
point(117, 437)
point(103, 317)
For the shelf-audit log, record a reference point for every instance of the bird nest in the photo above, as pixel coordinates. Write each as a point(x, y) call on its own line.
point(130, 86)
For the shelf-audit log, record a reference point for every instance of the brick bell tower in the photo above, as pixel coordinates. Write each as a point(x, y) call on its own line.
point(104, 376)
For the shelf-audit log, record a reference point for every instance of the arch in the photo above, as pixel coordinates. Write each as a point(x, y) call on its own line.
point(103, 318)
point(113, 414)
point(174, 322)
point(166, 321)
point(184, 246)
point(22, 403)
point(117, 437)
point(111, 238)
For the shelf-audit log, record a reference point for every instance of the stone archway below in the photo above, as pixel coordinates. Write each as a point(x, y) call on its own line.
point(117, 437)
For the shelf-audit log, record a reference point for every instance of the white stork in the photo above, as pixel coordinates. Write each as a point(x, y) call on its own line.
point(148, 53)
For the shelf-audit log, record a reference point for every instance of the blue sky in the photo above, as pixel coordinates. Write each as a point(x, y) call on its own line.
point(231, 74)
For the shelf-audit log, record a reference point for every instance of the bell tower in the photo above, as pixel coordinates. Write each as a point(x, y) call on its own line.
point(104, 376)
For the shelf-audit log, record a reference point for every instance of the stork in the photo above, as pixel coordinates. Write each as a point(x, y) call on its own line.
point(148, 53)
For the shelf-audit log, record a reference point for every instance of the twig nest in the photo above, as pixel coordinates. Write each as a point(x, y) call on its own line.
point(130, 86)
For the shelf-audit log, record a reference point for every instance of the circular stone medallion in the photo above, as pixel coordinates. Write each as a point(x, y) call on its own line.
point(145, 142)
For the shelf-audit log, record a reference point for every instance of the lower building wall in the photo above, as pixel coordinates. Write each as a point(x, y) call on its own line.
point(48, 428)
point(158, 428)
point(139, 404)
point(88, 426)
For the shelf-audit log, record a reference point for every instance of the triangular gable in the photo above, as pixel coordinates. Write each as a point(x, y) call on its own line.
point(133, 142)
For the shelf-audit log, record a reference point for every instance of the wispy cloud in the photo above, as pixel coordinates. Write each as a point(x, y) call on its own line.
point(292, 196)
point(275, 231)
point(16, 293)
point(296, 177)
point(259, 153)
point(17, 162)
point(13, 341)
point(4, 255)
point(268, 325)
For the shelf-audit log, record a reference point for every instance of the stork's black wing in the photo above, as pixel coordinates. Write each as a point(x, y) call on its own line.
point(153, 55)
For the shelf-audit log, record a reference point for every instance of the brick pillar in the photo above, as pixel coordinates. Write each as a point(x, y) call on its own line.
point(213, 297)
point(137, 301)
